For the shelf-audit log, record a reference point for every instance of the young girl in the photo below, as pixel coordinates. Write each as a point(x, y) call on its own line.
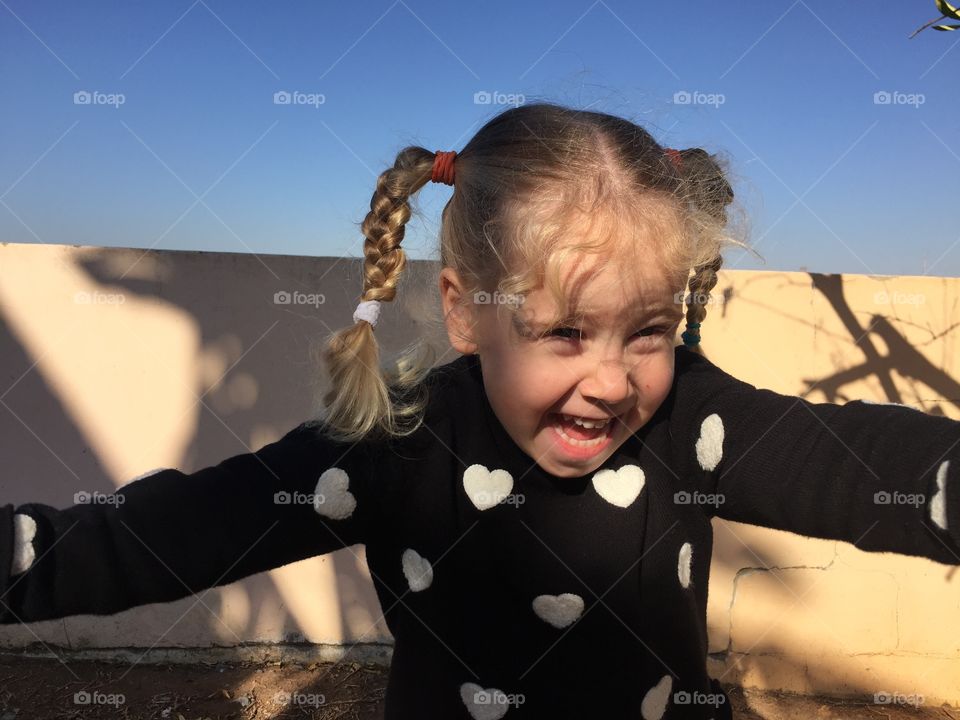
point(536, 513)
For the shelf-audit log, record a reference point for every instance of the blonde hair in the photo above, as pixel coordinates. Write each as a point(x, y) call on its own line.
point(527, 177)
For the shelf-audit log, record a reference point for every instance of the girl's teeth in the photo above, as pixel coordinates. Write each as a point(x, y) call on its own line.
point(587, 423)
point(602, 437)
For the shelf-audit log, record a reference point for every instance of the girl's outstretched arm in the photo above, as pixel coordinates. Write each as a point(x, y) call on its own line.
point(882, 477)
point(171, 534)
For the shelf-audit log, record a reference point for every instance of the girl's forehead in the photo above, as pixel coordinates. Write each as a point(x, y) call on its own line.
point(618, 226)
point(607, 276)
point(604, 260)
point(605, 291)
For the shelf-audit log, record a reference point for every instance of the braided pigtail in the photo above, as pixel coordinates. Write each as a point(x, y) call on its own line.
point(701, 283)
point(709, 192)
point(359, 401)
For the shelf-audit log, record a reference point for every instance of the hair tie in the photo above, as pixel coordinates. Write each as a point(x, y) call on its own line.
point(675, 158)
point(368, 310)
point(690, 338)
point(443, 167)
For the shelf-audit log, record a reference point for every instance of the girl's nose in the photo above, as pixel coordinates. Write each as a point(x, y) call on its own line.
point(607, 381)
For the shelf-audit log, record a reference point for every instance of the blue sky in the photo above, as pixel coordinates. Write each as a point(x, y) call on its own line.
point(831, 180)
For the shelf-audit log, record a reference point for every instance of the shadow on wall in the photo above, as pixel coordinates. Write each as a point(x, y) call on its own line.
point(116, 362)
point(901, 356)
point(796, 613)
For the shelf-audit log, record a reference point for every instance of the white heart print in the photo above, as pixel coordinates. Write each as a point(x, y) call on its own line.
point(655, 701)
point(484, 703)
point(486, 488)
point(417, 570)
point(709, 445)
point(24, 531)
point(684, 562)
point(938, 503)
point(332, 498)
point(558, 610)
point(619, 487)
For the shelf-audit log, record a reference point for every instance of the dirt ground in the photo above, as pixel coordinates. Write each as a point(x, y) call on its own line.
point(90, 690)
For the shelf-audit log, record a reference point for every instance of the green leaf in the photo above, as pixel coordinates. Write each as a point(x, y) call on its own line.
point(947, 9)
point(946, 27)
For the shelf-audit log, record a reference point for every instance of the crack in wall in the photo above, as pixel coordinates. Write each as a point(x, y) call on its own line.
point(723, 655)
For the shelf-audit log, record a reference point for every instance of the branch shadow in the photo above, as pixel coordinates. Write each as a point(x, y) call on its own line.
point(886, 352)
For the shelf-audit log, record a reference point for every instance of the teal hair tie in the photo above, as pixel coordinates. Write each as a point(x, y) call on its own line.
point(690, 338)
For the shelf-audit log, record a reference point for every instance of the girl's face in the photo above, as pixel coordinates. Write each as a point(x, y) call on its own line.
point(612, 368)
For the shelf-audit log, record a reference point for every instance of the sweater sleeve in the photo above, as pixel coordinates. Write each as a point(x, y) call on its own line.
point(170, 534)
point(881, 476)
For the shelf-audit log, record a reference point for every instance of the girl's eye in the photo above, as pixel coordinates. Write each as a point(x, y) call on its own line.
point(570, 333)
point(654, 331)
point(565, 332)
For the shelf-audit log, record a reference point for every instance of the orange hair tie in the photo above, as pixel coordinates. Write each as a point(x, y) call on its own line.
point(443, 167)
point(675, 158)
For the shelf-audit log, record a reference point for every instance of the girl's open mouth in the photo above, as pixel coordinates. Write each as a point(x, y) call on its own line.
point(582, 437)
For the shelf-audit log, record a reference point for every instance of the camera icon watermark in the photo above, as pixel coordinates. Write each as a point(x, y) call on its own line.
point(95, 97)
point(283, 297)
point(895, 97)
point(482, 297)
point(498, 697)
point(895, 698)
point(683, 497)
point(299, 699)
point(883, 497)
point(85, 297)
point(882, 297)
point(485, 498)
point(96, 697)
point(696, 97)
point(296, 97)
point(495, 97)
point(682, 697)
point(697, 298)
point(298, 498)
point(98, 498)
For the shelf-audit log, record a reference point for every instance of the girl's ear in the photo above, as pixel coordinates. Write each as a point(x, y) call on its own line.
point(459, 312)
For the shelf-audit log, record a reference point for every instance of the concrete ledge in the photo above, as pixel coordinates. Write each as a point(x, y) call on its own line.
point(373, 653)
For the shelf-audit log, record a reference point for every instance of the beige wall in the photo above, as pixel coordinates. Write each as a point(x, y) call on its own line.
point(824, 616)
point(117, 361)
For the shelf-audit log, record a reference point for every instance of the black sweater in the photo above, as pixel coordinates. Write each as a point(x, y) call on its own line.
point(510, 592)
